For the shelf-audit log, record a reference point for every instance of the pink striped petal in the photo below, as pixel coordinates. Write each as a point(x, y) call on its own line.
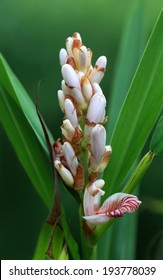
point(118, 204)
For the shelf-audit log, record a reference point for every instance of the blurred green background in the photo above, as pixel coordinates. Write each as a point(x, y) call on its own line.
point(31, 35)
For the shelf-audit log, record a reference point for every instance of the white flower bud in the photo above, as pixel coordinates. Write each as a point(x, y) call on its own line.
point(96, 88)
point(61, 99)
point(105, 159)
point(99, 69)
point(83, 59)
point(77, 36)
point(70, 112)
point(97, 143)
point(64, 173)
point(65, 88)
point(70, 157)
point(96, 109)
point(69, 42)
point(70, 76)
point(86, 88)
point(89, 61)
point(78, 97)
point(67, 130)
point(63, 56)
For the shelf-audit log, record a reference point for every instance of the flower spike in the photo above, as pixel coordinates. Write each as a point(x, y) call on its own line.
point(83, 154)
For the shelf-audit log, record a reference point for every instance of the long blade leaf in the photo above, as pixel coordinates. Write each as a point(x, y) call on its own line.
point(13, 87)
point(26, 146)
point(139, 112)
point(131, 48)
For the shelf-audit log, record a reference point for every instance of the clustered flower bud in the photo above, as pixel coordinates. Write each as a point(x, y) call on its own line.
point(83, 103)
point(83, 135)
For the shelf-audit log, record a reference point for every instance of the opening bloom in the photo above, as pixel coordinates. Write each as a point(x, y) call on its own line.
point(117, 205)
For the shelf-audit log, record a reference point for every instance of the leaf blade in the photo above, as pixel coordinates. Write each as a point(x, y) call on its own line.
point(26, 146)
point(11, 84)
point(144, 96)
point(156, 144)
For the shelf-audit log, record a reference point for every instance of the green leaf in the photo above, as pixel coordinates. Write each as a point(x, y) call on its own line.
point(139, 112)
point(156, 144)
point(57, 242)
point(130, 52)
point(64, 254)
point(72, 245)
point(43, 242)
point(111, 244)
point(26, 145)
point(10, 83)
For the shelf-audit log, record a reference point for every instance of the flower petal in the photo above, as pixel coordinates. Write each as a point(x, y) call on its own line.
point(92, 197)
point(115, 206)
point(97, 219)
point(118, 204)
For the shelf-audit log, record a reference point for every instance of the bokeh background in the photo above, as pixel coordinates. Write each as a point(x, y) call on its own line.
point(31, 35)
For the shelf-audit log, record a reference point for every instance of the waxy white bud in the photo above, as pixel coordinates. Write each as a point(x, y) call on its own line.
point(83, 59)
point(64, 173)
point(77, 36)
point(70, 157)
point(78, 97)
point(69, 42)
point(70, 112)
point(61, 99)
point(89, 60)
point(99, 69)
point(67, 130)
point(65, 88)
point(105, 159)
point(63, 57)
point(86, 88)
point(97, 143)
point(96, 108)
point(96, 88)
point(70, 76)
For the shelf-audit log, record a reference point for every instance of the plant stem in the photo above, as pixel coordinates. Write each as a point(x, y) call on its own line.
point(88, 246)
